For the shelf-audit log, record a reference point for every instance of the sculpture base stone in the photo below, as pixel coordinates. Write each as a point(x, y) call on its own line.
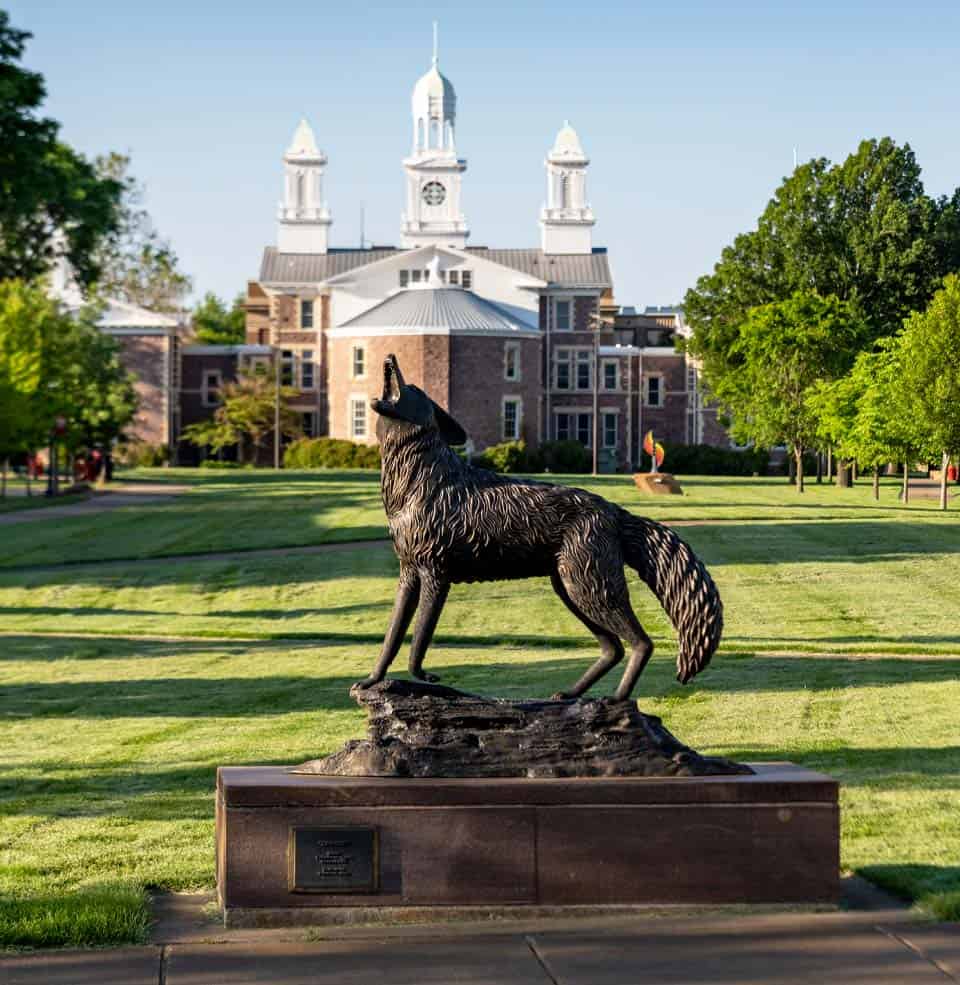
point(295, 848)
point(657, 483)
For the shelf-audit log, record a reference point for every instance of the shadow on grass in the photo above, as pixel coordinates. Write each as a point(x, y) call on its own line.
point(935, 887)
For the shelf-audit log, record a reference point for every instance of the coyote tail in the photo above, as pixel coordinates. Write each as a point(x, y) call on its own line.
point(683, 586)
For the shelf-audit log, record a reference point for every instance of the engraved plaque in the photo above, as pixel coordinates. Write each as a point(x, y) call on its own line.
point(333, 860)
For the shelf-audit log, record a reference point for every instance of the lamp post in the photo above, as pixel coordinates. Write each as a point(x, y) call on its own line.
point(276, 409)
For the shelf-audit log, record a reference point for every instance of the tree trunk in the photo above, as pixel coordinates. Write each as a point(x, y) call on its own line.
point(843, 474)
point(853, 472)
point(819, 467)
point(798, 455)
point(829, 463)
point(876, 482)
point(944, 465)
point(3, 484)
point(905, 496)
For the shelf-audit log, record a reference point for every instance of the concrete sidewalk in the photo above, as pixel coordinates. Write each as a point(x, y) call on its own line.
point(114, 496)
point(874, 948)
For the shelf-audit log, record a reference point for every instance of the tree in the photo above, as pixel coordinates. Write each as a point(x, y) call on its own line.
point(931, 372)
point(45, 186)
point(863, 230)
point(56, 365)
point(214, 324)
point(246, 413)
point(784, 350)
point(136, 264)
point(864, 414)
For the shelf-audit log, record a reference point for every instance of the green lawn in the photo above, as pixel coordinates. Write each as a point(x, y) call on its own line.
point(842, 652)
point(15, 503)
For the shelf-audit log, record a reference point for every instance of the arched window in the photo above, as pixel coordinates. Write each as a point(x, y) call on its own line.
point(434, 133)
point(420, 134)
point(564, 191)
point(300, 190)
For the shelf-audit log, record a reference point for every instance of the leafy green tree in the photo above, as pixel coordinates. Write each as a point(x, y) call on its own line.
point(931, 372)
point(865, 417)
point(864, 231)
point(53, 364)
point(136, 264)
point(246, 416)
point(784, 350)
point(45, 186)
point(215, 324)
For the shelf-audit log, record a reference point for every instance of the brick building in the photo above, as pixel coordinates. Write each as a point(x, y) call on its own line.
point(513, 342)
point(516, 343)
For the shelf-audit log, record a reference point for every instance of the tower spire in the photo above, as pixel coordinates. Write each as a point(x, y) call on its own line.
point(436, 46)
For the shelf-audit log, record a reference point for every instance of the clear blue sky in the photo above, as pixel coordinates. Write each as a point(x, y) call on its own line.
point(688, 110)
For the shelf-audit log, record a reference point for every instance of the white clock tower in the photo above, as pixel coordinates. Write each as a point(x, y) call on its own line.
point(566, 220)
point(433, 171)
point(304, 220)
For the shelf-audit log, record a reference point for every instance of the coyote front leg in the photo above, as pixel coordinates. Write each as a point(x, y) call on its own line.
point(432, 596)
point(408, 596)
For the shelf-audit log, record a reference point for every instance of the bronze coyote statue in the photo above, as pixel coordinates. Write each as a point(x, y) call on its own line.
point(452, 522)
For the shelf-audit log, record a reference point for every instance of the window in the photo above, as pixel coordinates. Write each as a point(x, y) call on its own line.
point(359, 362)
point(654, 391)
point(286, 368)
point(611, 374)
point(466, 279)
point(511, 419)
point(306, 313)
point(416, 275)
point(583, 370)
point(306, 370)
point(307, 421)
point(211, 387)
point(453, 277)
point(404, 278)
point(574, 427)
point(691, 379)
point(561, 379)
point(358, 417)
point(584, 430)
point(609, 422)
point(511, 361)
point(561, 320)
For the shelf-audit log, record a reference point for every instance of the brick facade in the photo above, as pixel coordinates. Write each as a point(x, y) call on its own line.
point(152, 358)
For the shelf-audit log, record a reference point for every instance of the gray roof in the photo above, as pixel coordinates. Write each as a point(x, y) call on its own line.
point(311, 268)
point(450, 308)
point(561, 270)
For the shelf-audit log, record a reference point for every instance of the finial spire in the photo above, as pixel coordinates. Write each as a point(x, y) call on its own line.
point(436, 55)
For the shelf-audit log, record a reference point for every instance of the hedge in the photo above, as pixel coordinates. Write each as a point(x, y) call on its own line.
point(709, 460)
point(330, 453)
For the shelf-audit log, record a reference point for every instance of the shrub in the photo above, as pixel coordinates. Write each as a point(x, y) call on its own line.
point(214, 463)
point(142, 454)
point(330, 453)
point(509, 456)
point(561, 456)
point(708, 460)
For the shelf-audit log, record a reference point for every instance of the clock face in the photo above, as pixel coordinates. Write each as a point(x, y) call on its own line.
point(434, 193)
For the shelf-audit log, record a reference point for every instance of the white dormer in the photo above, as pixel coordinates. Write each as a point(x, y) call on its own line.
point(304, 220)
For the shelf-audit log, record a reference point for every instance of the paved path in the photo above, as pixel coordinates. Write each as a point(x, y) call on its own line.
point(118, 494)
point(878, 948)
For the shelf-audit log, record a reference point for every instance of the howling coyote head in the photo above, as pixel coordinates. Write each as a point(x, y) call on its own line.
point(403, 405)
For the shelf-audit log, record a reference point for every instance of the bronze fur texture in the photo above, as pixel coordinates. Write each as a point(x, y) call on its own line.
point(452, 522)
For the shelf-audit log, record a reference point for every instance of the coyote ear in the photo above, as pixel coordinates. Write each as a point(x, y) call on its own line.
point(451, 432)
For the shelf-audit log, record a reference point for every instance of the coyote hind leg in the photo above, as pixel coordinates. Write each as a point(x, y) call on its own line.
point(611, 648)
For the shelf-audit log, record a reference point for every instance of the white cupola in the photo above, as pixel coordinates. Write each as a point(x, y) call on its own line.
point(304, 220)
point(433, 171)
point(567, 219)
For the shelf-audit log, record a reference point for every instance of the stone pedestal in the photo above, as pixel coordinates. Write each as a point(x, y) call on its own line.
point(294, 848)
point(657, 483)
